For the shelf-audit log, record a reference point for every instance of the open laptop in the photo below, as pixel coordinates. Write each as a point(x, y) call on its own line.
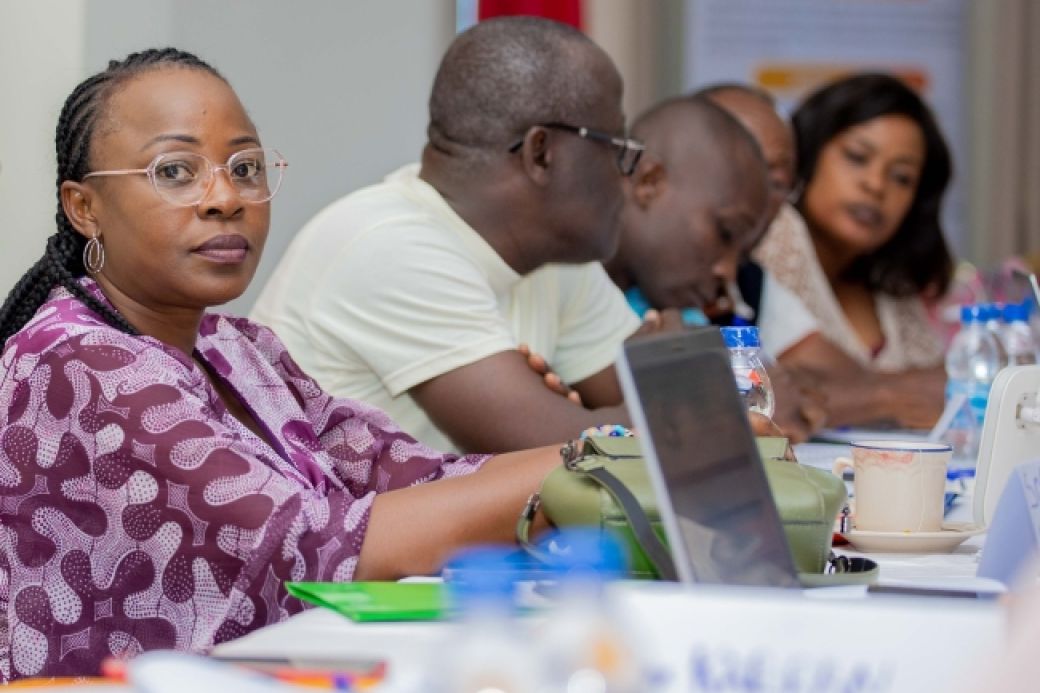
point(718, 513)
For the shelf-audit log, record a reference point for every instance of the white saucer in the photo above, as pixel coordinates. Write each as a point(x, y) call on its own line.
point(943, 541)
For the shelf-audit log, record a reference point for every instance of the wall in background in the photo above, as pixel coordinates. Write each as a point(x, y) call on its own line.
point(41, 60)
point(645, 39)
point(1005, 115)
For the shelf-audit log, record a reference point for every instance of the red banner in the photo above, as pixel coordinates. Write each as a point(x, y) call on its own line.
point(565, 11)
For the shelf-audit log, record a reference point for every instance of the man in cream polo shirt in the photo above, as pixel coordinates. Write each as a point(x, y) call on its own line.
point(414, 294)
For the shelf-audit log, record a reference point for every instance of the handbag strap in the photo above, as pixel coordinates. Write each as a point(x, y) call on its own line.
point(523, 529)
point(656, 552)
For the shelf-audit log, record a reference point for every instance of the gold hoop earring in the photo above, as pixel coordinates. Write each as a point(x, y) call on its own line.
point(94, 255)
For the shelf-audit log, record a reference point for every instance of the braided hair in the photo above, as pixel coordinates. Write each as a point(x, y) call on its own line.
point(62, 261)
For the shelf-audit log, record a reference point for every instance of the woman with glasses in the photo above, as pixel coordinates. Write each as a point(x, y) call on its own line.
point(872, 171)
point(163, 469)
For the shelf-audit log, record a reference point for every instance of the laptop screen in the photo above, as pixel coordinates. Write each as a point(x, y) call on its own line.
point(715, 503)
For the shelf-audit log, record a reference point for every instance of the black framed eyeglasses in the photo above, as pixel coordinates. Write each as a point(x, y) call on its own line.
point(629, 150)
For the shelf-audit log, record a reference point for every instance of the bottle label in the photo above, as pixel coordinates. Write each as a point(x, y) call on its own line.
point(754, 388)
point(977, 396)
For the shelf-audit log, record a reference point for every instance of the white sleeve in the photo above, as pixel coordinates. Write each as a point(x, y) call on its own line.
point(595, 320)
point(409, 306)
point(784, 319)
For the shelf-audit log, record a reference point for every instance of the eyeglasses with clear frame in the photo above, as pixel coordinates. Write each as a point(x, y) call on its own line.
point(185, 178)
point(629, 150)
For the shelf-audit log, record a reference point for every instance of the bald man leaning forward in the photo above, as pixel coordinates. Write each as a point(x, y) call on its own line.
point(694, 206)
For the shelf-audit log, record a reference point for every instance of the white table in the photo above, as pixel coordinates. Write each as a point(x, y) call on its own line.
point(933, 639)
point(319, 634)
point(324, 635)
point(954, 569)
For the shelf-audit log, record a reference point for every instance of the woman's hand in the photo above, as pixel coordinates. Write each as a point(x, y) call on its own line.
point(801, 407)
point(915, 398)
point(856, 396)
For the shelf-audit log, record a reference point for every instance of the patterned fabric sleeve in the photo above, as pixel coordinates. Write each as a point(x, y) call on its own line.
point(134, 517)
point(348, 428)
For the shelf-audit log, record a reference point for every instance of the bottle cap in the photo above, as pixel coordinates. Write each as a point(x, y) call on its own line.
point(587, 554)
point(1016, 312)
point(741, 337)
point(483, 575)
point(972, 313)
point(992, 311)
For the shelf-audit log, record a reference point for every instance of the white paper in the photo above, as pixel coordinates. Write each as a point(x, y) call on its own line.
point(723, 640)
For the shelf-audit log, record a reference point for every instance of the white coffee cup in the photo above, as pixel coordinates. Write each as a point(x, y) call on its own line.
point(899, 486)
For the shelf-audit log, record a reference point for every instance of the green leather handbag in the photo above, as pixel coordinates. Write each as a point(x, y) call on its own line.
point(604, 483)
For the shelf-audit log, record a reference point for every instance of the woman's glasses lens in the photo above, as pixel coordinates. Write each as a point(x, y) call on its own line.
point(184, 178)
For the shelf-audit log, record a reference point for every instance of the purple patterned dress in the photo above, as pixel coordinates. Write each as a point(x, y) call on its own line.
point(136, 513)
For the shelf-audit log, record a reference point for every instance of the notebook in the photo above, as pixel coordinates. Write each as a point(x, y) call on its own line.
point(719, 516)
point(375, 601)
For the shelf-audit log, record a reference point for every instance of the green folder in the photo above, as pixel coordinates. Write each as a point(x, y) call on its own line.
point(375, 601)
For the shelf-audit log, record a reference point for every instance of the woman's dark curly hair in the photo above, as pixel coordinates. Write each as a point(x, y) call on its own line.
point(916, 260)
point(62, 261)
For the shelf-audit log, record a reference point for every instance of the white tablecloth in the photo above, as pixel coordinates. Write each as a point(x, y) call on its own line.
point(954, 569)
point(321, 634)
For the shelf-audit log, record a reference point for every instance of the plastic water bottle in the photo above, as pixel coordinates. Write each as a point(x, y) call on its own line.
point(993, 315)
point(752, 379)
point(489, 652)
point(1033, 318)
point(1017, 336)
point(582, 646)
point(972, 362)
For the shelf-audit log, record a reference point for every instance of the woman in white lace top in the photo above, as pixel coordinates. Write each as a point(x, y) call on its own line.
point(873, 168)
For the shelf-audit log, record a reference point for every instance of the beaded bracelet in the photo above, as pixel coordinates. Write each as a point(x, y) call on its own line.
point(609, 430)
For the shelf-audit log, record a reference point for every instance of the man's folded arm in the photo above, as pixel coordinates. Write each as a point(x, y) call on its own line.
point(499, 404)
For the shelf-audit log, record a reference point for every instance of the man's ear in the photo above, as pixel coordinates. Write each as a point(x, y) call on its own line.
point(78, 201)
point(537, 155)
point(648, 181)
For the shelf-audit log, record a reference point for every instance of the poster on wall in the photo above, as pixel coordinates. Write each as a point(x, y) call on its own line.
point(790, 47)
